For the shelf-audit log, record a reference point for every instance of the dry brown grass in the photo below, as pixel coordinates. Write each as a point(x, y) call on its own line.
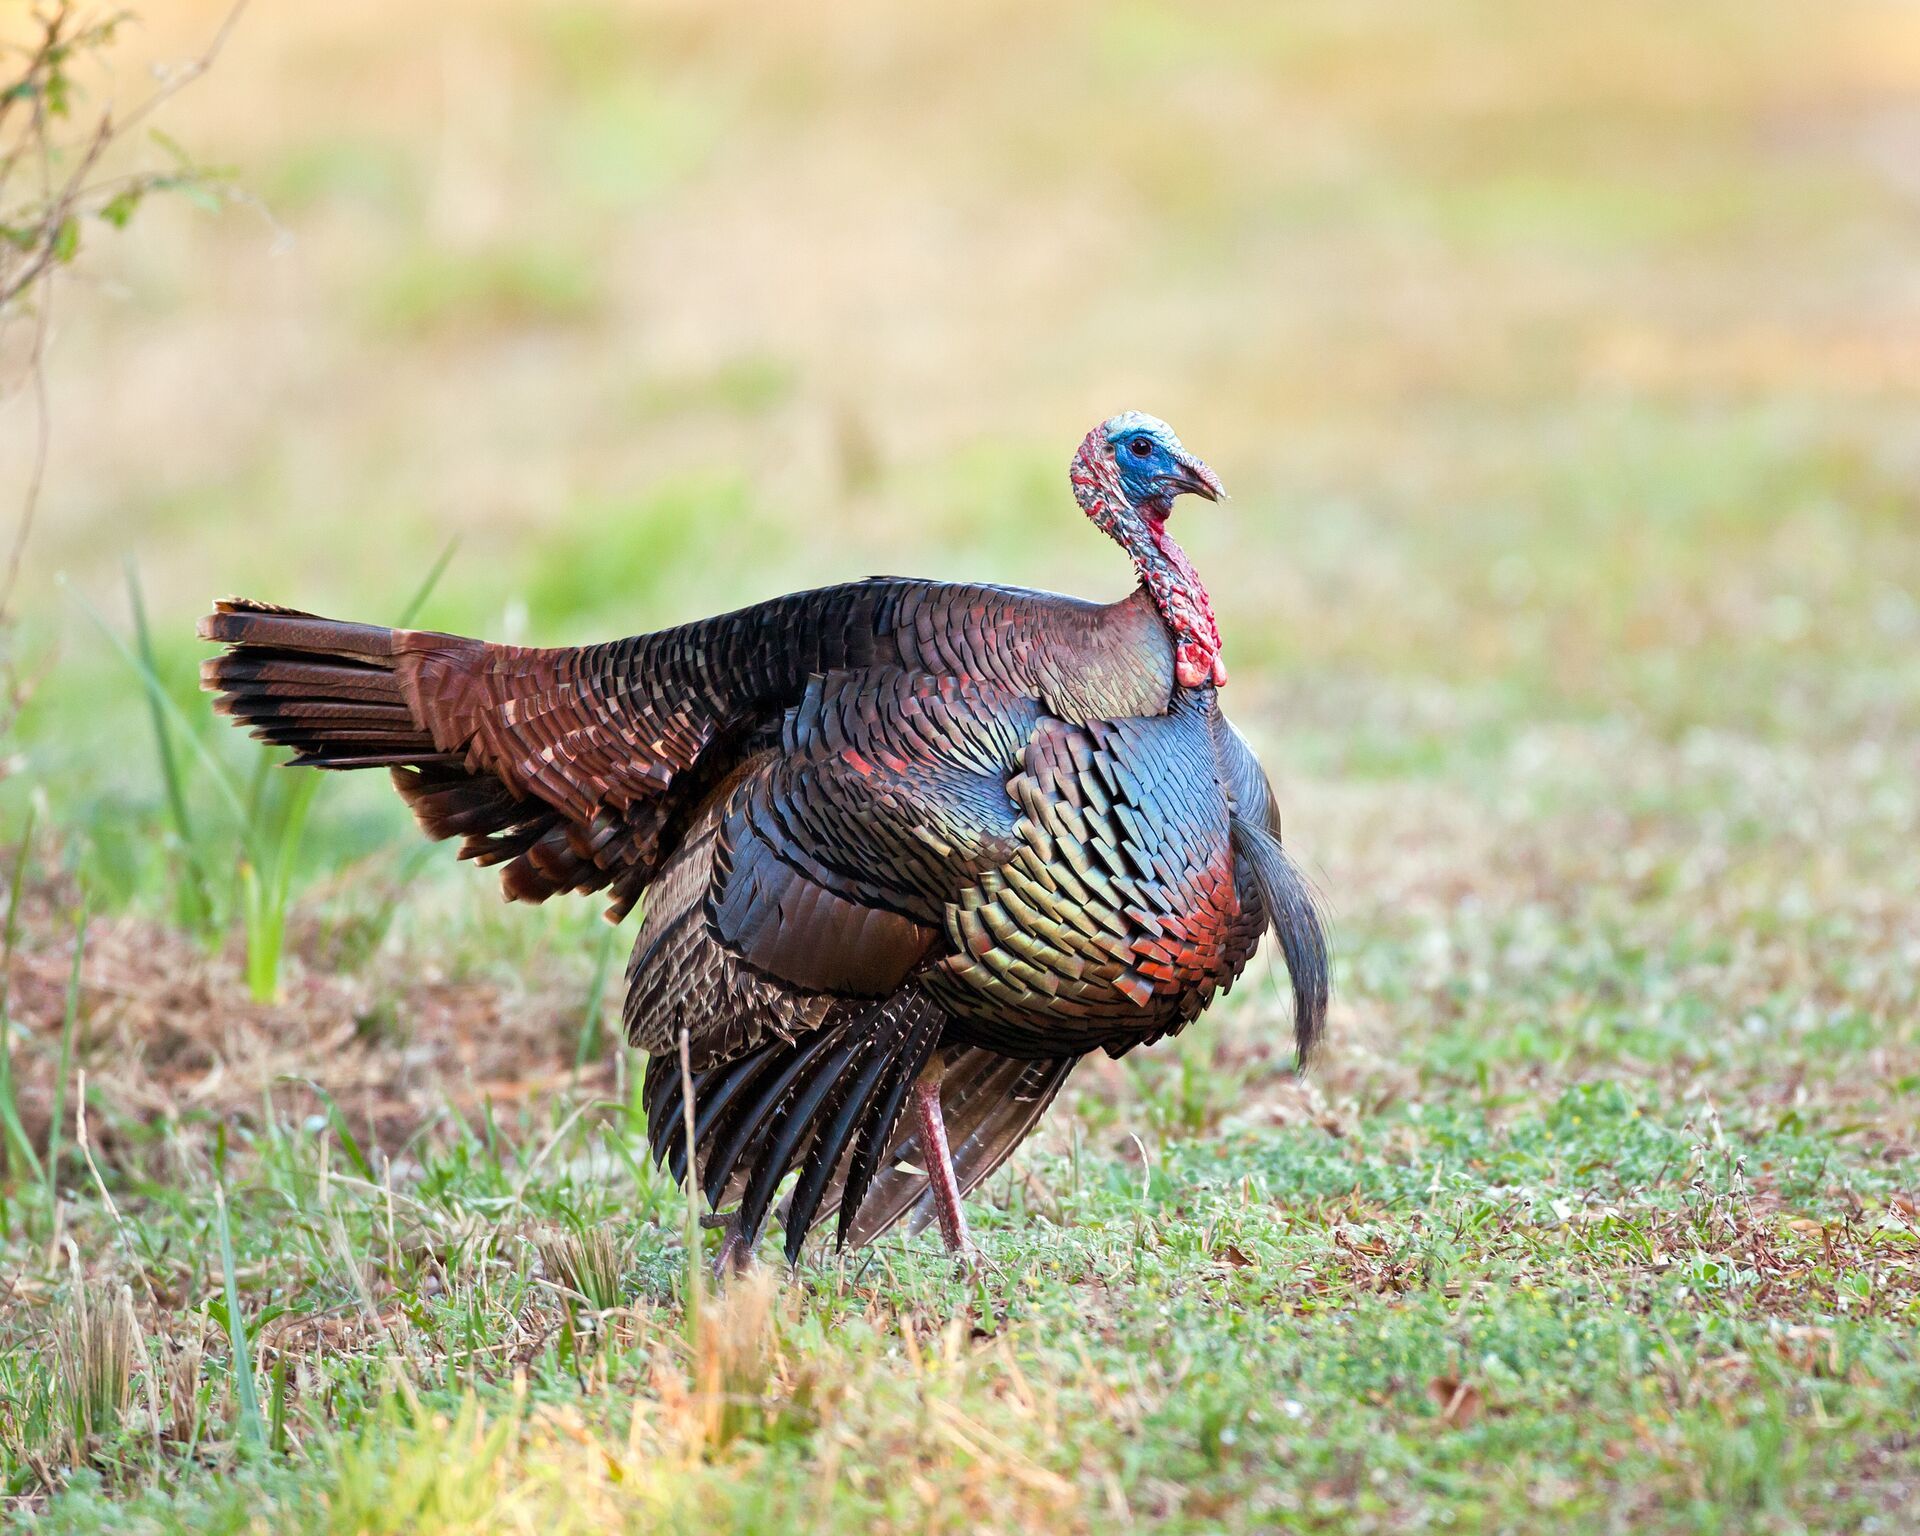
point(95, 1341)
point(166, 1031)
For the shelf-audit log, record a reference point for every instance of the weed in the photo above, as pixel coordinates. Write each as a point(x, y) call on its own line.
point(194, 902)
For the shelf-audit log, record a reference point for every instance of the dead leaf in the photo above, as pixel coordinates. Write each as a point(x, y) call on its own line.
point(1459, 1403)
point(1233, 1254)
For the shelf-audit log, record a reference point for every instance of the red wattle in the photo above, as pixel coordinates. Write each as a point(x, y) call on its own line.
point(1163, 566)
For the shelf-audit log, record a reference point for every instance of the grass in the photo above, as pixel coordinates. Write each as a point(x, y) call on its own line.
point(1669, 1317)
point(93, 1349)
point(1562, 383)
point(269, 819)
point(21, 1159)
point(63, 1064)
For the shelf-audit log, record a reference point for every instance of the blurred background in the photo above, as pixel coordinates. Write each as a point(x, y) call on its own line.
point(1562, 362)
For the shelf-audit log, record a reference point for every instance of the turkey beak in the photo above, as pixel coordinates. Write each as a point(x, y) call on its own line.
point(1194, 478)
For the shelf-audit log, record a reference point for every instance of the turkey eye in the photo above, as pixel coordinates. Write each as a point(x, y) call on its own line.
point(1142, 447)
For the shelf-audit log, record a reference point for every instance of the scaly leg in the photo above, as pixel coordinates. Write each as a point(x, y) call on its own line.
point(947, 1208)
point(736, 1254)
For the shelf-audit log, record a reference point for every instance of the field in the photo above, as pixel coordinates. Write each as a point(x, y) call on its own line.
point(1564, 373)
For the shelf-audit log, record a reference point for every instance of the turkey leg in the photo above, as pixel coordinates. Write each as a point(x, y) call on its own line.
point(736, 1253)
point(941, 1180)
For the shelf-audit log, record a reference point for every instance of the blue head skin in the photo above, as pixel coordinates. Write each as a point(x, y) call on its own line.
point(1153, 465)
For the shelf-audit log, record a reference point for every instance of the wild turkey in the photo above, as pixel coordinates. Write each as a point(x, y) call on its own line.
point(898, 839)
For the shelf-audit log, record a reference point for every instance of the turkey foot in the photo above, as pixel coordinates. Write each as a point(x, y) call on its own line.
point(945, 1186)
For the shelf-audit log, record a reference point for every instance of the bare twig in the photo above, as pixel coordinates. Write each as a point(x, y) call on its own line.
point(41, 235)
point(42, 445)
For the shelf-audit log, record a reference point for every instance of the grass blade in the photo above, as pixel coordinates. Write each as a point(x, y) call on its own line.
point(271, 829)
point(434, 573)
point(268, 886)
point(589, 1045)
point(163, 701)
point(55, 1125)
point(277, 1432)
point(196, 904)
point(349, 1143)
point(252, 1427)
point(246, 867)
point(15, 1148)
point(94, 1345)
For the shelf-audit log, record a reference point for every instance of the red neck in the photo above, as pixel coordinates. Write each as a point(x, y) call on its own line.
point(1165, 571)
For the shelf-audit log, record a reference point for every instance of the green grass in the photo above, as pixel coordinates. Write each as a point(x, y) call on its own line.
point(1262, 1324)
point(1598, 1215)
point(436, 292)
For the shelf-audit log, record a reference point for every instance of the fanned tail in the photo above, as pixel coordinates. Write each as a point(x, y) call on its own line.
point(330, 690)
point(336, 694)
point(1296, 924)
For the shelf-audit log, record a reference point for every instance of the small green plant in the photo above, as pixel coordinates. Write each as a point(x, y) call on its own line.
point(268, 819)
point(30, 1431)
point(41, 229)
point(193, 904)
point(267, 828)
point(271, 835)
point(53, 188)
point(589, 1047)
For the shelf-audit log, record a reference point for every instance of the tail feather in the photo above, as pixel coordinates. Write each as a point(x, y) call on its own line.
point(242, 621)
point(740, 1131)
point(325, 688)
point(250, 674)
point(789, 1127)
point(456, 804)
point(901, 1034)
point(1295, 920)
point(874, 1139)
point(335, 694)
point(839, 1124)
point(713, 1092)
point(322, 712)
